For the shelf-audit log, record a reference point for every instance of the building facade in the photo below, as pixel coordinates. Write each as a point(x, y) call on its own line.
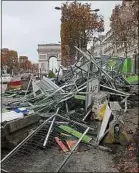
point(22, 59)
point(35, 67)
point(104, 45)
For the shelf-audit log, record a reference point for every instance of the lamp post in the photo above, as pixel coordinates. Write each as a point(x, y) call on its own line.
point(13, 61)
point(95, 10)
point(57, 8)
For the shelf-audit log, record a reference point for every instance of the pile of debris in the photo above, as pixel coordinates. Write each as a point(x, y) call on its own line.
point(82, 107)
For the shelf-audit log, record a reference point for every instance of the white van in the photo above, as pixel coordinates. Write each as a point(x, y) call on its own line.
point(5, 78)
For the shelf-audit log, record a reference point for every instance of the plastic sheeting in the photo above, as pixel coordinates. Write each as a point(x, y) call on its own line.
point(12, 115)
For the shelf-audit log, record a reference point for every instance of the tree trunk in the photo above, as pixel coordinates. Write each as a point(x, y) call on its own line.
point(126, 49)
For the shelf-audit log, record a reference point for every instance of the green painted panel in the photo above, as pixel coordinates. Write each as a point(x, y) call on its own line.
point(75, 133)
point(112, 63)
point(132, 79)
point(79, 97)
point(128, 65)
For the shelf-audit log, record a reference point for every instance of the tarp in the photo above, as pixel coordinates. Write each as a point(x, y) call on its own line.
point(128, 65)
point(22, 110)
point(12, 115)
point(132, 79)
point(15, 84)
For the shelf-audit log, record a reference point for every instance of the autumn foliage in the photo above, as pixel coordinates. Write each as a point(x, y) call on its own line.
point(124, 22)
point(78, 24)
point(24, 63)
point(10, 59)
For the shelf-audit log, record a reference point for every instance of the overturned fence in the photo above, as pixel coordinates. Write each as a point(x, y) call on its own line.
point(46, 149)
point(40, 152)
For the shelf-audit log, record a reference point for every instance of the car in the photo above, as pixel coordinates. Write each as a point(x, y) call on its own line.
point(5, 78)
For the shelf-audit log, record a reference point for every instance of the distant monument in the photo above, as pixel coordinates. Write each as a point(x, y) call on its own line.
point(45, 52)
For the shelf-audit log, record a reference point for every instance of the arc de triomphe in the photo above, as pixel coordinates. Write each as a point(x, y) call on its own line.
point(45, 52)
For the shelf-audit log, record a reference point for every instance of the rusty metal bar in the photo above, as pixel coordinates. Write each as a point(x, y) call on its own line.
point(75, 146)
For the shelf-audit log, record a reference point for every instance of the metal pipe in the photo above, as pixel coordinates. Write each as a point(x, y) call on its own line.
point(110, 83)
point(75, 65)
point(55, 92)
point(75, 146)
point(3, 170)
point(115, 90)
point(67, 109)
point(48, 133)
point(86, 115)
point(28, 137)
point(72, 94)
point(59, 122)
point(28, 86)
point(93, 61)
point(87, 96)
point(84, 93)
point(117, 94)
point(75, 122)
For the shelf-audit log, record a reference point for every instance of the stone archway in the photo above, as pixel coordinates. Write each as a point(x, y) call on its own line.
point(45, 51)
point(53, 63)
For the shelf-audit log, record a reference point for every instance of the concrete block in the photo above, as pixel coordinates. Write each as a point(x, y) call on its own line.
point(18, 124)
point(13, 139)
point(115, 106)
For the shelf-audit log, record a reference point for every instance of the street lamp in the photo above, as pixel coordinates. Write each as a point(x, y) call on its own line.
point(13, 61)
point(96, 10)
point(57, 8)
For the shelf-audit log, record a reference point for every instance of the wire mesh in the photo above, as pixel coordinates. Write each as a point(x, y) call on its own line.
point(32, 157)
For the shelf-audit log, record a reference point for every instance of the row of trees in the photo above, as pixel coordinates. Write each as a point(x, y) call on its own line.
point(78, 25)
point(11, 62)
point(124, 23)
point(9, 58)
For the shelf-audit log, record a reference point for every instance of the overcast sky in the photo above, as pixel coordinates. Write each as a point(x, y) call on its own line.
point(27, 24)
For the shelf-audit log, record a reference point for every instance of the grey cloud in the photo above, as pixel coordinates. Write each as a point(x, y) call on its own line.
point(27, 24)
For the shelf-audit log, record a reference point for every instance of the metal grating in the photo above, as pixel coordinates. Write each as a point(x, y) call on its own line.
point(31, 156)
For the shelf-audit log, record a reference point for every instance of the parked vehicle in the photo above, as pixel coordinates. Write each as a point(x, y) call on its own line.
point(5, 78)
